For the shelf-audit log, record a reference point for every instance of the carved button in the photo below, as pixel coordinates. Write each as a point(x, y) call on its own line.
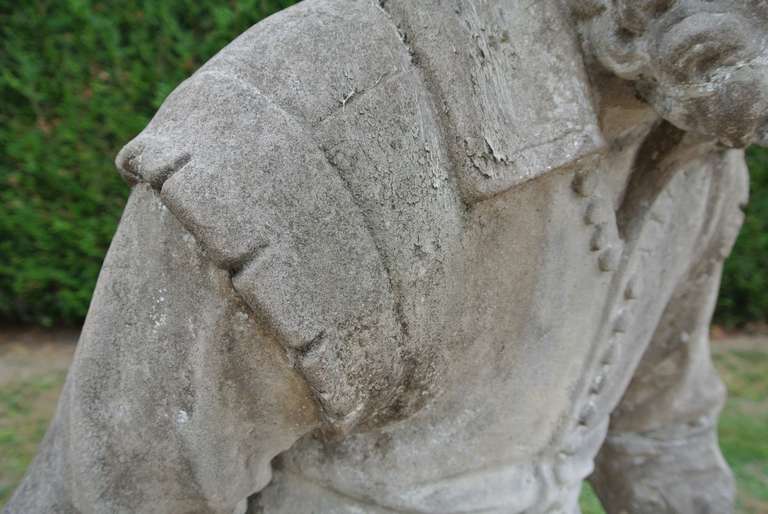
point(621, 323)
point(633, 289)
point(609, 259)
point(587, 414)
point(585, 183)
point(598, 383)
point(610, 353)
point(599, 239)
point(596, 213)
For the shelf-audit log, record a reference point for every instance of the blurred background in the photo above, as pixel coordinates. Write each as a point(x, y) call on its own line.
point(79, 78)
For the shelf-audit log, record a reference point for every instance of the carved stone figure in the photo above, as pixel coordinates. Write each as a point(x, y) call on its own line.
point(436, 257)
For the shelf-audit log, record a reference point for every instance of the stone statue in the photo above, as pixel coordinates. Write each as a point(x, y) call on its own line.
point(433, 257)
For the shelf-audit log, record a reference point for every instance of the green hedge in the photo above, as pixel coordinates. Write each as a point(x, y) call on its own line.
point(79, 78)
point(744, 290)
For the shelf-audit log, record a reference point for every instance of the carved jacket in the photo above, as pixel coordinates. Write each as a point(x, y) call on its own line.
point(402, 257)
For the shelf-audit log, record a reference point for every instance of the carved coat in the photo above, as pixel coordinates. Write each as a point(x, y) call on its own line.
point(402, 257)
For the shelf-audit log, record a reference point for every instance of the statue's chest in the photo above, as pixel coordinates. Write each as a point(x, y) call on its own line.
point(564, 289)
point(544, 310)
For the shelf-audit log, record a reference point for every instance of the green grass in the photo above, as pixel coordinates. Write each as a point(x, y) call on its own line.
point(589, 502)
point(25, 410)
point(744, 425)
point(79, 79)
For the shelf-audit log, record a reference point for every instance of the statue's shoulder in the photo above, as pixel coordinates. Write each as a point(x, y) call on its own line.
point(317, 56)
point(510, 75)
point(507, 77)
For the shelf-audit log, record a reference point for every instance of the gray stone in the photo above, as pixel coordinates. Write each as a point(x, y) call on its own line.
point(426, 257)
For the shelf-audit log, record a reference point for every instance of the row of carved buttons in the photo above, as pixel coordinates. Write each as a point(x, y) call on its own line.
point(597, 216)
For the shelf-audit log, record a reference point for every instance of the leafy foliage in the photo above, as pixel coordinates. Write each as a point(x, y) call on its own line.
point(744, 291)
point(79, 78)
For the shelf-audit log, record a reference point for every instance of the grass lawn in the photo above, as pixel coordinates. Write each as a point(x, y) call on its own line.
point(744, 424)
point(31, 376)
point(25, 410)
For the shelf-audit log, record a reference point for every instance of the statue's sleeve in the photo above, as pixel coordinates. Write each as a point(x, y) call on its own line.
point(177, 399)
point(661, 454)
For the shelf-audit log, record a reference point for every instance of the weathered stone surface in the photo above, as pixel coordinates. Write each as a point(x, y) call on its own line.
point(433, 257)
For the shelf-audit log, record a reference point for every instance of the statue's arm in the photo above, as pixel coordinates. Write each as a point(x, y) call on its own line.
point(661, 454)
point(177, 399)
point(244, 301)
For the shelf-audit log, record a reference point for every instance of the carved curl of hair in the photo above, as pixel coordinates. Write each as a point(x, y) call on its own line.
point(615, 30)
point(631, 15)
point(585, 9)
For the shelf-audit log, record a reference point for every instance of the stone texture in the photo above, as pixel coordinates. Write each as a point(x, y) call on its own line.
point(424, 257)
